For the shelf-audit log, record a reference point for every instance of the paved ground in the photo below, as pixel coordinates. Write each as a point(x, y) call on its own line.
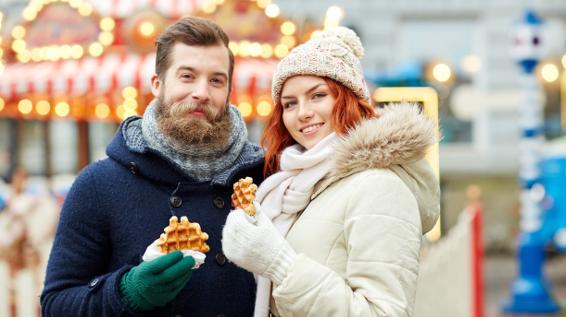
point(500, 271)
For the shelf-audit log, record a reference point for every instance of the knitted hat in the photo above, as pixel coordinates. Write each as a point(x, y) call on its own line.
point(333, 53)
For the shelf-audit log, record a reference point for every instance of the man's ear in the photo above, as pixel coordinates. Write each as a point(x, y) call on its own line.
point(155, 85)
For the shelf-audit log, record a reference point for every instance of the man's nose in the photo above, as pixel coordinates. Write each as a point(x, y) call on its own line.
point(200, 91)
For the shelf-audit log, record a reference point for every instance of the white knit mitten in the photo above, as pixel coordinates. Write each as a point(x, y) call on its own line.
point(257, 247)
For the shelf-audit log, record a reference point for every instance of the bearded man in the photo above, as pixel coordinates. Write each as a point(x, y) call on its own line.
point(181, 158)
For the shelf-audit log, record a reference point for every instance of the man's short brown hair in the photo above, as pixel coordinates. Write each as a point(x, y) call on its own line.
point(193, 31)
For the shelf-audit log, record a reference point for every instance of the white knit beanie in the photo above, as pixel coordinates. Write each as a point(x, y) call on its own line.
point(334, 53)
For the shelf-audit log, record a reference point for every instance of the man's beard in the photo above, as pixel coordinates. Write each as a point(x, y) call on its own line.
point(174, 121)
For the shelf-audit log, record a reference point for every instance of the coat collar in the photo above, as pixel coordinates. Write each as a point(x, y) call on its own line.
point(397, 140)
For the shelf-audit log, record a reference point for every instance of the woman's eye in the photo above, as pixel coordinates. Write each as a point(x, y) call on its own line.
point(288, 104)
point(319, 95)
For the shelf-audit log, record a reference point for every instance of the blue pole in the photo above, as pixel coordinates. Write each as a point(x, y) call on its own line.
point(529, 292)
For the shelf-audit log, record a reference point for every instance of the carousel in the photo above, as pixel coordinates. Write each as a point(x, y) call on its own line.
point(72, 70)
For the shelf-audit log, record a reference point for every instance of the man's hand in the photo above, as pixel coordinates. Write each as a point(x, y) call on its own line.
point(157, 282)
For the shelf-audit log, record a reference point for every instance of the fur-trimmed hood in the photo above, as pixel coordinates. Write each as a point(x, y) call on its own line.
point(397, 140)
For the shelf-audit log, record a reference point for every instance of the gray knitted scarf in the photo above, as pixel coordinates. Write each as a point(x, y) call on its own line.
point(201, 161)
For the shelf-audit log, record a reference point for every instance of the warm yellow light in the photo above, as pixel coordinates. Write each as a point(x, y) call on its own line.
point(549, 73)
point(25, 106)
point(1, 53)
point(53, 53)
point(62, 109)
point(334, 15)
point(471, 64)
point(24, 57)
point(263, 3)
point(209, 7)
point(244, 48)
point(288, 41)
point(263, 108)
point(129, 112)
point(106, 38)
point(245, 108)
point(281, 50)
point(29, 14)
point(288, 28)
point(441, 72)
point(102, 111)
point(233, 47)
point(85, 9)
point(129, 92)
point(66, 51)
point(2, 67)
point(95, 49)
point(255, 49)
point(130, 104)
point(18, 45)
point(147, 29)
point(36, 54)
point(77, 51)
point(42, 107)
point(266, 51)
point(2, 104)
point(107, 24)
point(121, 112)
point(75, 3)
point(18, 32)
point(219, 2)
point(272, 10)
point(314, 33)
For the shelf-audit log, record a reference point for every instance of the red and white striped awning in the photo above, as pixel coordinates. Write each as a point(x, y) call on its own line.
point(123, 8)
point(111, 72)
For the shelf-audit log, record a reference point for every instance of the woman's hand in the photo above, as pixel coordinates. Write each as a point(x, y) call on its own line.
point(256, 247)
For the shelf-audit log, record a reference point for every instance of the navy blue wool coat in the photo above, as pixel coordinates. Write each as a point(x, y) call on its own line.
point(115, 209)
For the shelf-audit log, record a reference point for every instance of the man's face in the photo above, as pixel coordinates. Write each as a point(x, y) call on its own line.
point(193, 93)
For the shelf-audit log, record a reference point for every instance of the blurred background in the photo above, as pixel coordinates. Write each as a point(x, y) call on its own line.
point(72, 70)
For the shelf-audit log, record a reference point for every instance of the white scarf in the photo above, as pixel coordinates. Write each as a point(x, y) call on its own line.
point(286, 193)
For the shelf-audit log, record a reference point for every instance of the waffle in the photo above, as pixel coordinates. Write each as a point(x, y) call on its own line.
point(182, 235)
point(244, 195)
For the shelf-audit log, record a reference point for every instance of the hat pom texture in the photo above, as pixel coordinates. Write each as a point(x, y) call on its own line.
point(333, 53)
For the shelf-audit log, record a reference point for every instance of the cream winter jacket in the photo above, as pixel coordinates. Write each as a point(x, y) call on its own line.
point(358, 240)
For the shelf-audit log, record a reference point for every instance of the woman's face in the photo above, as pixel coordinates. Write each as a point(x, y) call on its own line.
point(307, 109)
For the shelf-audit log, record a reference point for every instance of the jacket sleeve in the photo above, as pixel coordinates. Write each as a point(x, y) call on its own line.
point(77, 282)
point(382, 233)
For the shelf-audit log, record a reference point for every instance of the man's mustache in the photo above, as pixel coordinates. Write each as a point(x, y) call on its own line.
point(183, 107)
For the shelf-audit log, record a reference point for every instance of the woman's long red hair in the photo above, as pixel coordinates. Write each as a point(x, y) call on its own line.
point(348, 111)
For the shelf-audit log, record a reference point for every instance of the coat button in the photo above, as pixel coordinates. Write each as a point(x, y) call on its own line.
point(220, 258)
point(93, 283)
point(175, 201)
point(219, 202)
point(133, 167)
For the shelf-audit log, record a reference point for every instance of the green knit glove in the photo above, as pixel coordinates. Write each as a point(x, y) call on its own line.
point(157, 282)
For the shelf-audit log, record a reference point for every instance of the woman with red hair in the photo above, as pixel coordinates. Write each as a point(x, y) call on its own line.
point(347, 196)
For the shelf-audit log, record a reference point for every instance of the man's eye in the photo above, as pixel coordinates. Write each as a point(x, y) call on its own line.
point(217, 81)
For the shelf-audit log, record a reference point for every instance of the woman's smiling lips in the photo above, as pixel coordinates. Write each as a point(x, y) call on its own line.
point(311, 128)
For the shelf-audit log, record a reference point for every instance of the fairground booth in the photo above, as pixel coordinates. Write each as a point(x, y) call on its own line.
point(72, 70)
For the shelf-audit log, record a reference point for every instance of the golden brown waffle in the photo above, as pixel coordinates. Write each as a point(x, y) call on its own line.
point(182, 235)
point(244, 195)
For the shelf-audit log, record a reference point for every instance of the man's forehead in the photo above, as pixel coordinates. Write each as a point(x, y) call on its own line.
point(212, 58)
